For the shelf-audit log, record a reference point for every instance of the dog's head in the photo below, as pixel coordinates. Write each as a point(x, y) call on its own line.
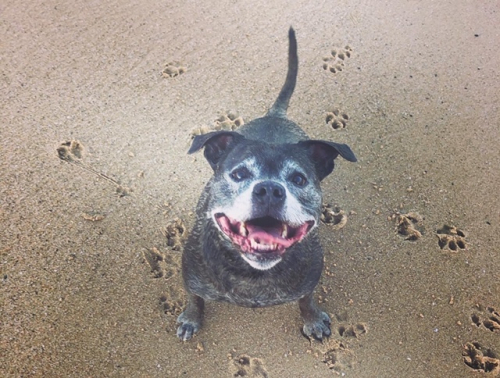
point(265, 198)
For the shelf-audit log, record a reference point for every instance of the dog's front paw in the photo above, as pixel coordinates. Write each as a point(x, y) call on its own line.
point(188, 327)
point(318, 327)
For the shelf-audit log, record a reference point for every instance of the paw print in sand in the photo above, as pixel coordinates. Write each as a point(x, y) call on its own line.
point(335, 61)
point(173, 69)
point(349, 330)
point(163, 264)
point(246, 366)
point(451, 238)
point(336, 120)
point(352, 330)
point(488, 318)
point(172, 301)
point(337, 357)
point(175, 232)
point(229, 121)
point(410, 225)
point(335, 353)
point(70, 151)
point(166, 265)
point(481, 359)
point(333, 216)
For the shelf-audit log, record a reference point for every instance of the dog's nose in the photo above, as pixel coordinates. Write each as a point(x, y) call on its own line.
point(269, 192)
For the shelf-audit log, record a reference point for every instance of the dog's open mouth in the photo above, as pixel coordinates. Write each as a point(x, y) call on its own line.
point(262, 235)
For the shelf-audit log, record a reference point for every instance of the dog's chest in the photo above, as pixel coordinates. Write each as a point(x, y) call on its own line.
point(251, 294)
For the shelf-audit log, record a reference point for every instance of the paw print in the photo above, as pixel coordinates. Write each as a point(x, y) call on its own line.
point(175, 233)
point(451, 238)
point(335, 353)
point(162, 264)
point(488, 318)
point(410, 225)
point(173, 69)
point(246, 366)
point(481, 359)
point(204, 129)
point(229, 121)
point(70, 151)
point(352, 330)
point(338, 357)
point(336, 119)
point(335, 61)
point(333, 216)
point(172, 301)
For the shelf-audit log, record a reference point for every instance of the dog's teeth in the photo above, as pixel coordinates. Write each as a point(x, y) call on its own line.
point(284, 231)
point(243, 229)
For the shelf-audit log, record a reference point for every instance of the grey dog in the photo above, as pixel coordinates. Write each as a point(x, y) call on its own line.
point(255, 241)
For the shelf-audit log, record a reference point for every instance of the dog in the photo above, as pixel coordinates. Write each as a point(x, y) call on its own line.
point(255, 241)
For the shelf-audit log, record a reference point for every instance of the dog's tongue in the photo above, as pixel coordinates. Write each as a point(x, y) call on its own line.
point(267, 235)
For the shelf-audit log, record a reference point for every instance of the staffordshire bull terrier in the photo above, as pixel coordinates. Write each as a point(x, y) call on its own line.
point(255, 241)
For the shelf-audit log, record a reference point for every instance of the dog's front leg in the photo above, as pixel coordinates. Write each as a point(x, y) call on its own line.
point(316, 322)
point(191, 319)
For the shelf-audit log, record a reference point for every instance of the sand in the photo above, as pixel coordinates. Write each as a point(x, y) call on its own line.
point(99, 100)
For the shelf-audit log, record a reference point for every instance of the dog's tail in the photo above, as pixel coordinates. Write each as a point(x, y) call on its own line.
point(280, 106)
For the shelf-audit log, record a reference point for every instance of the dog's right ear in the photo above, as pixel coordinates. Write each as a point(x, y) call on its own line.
point(216, 145)
point(323, 154)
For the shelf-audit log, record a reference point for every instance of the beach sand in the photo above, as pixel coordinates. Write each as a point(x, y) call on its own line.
point(97, 193)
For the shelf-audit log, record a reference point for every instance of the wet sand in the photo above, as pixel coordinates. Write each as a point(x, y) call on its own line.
point(97, 192)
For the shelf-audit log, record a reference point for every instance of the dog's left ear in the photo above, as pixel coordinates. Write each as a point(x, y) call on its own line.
point(323, 154)
point(216, 144)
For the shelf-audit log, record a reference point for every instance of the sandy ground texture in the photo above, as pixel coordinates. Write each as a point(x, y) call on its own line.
point(98, 102)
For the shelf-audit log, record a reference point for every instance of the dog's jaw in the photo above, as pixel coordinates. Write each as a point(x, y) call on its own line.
point(262, 241)
point(261, 264)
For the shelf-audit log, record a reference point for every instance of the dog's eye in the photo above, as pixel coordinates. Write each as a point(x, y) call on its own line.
point(298, 179)
point(240, 174)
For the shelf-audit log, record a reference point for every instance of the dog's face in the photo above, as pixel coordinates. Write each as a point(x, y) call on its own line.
point(264, 201)
point(265, 198)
